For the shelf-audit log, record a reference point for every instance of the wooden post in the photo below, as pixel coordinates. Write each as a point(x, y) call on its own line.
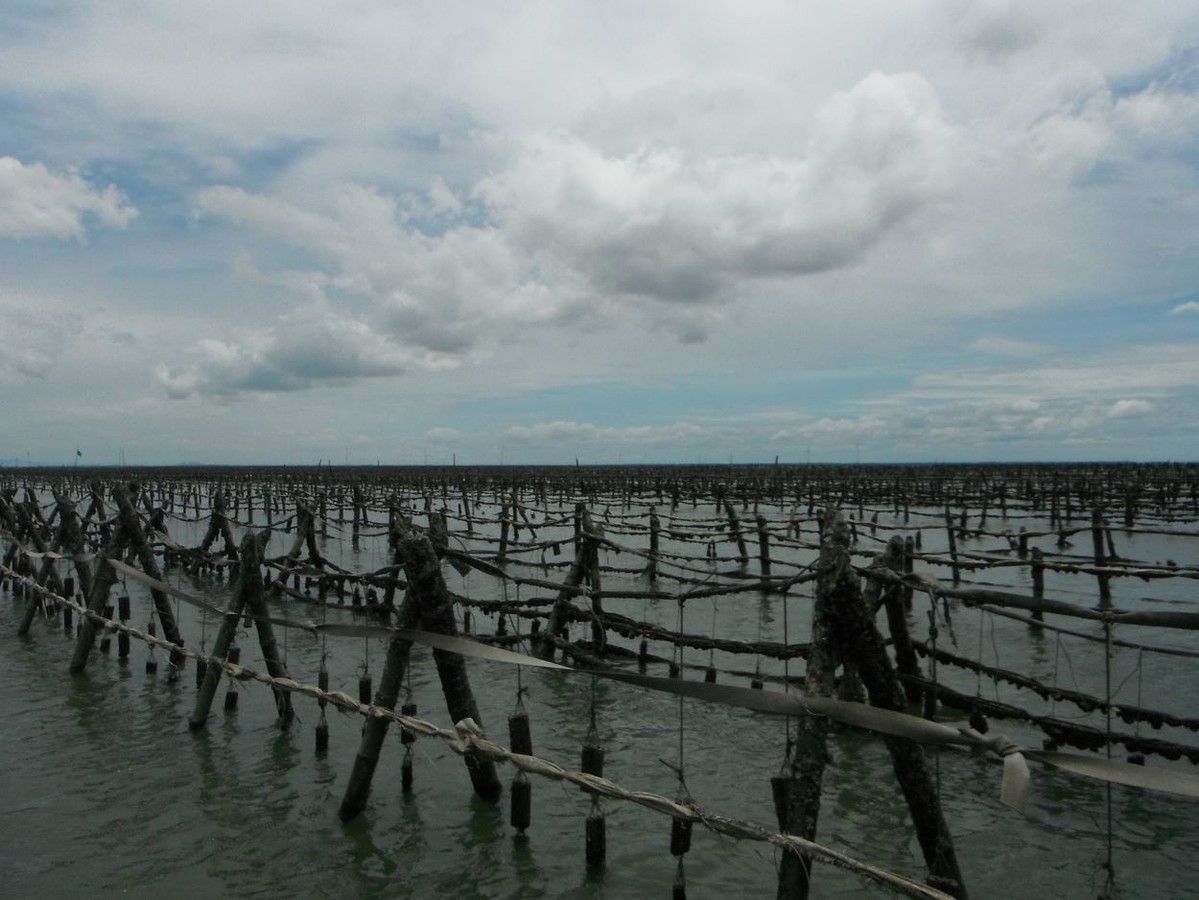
point(890, 596)
point(1105, 589)
point(437, 614)
point(953, 547)
point(247, 573)
point(591, 548)
point(556, 622)
point(47, 575)
point(854, 630)
point(763, 547)
point(735, 528)
point(375, 728)
point(104, 577)
point(256, 601)
point(655, 527)
point(1038, 581)
point(136, 538)
point(501, 556)
point(801, 812)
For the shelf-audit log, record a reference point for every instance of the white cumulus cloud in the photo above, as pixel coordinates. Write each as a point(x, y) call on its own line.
point(37, 202)
point(306, 349)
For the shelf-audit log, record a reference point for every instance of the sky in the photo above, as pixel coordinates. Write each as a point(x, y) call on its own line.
point(373, 232)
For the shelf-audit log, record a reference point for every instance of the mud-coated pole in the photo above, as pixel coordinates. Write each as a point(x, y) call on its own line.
point(436, 614)
point(247, 572)
point(374, 731)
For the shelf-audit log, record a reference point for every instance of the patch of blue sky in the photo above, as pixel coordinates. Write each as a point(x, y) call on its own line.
point(1177, 71)
point(1092, 324)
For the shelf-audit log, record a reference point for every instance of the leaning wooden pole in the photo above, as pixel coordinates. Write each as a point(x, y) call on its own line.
point(800, 809)
point(256, 602)
point(47, 575)
point(556, 623)
point(104, 577)
point(131, 528)
point(435, 609)
point(855, 633)
point(890, 596)
point(72, 538)
point(374, 730)
point(247, 572)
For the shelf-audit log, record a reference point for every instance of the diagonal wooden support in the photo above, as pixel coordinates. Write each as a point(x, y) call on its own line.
point(855, 637)
point(131, 527)
point(427, 605)
point(103, 578)
point(247, 591)
point(34, 530)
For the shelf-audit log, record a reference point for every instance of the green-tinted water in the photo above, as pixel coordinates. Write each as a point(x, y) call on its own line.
point(104, 792)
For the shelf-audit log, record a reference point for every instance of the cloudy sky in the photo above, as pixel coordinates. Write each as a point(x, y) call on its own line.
point(369, 231)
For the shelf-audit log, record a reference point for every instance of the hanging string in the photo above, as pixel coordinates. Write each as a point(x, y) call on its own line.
point(679, 654)
point(712, 650)
point(1057, 652)
point(789, 745)
point(978, 685)
point(1109, 866)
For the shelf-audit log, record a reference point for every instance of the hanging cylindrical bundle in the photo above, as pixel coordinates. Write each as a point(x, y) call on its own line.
point(597, 835)
point(364, 689)
point(673, 669)
point(123, 607)
point(520, 736)
point(710, 675)
point(643, 654)
point(522, 802)
point(322, 735)
point(407, 736)
point(123, 645)
point(67, 615)
point(466, 621)
point(680, 836)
